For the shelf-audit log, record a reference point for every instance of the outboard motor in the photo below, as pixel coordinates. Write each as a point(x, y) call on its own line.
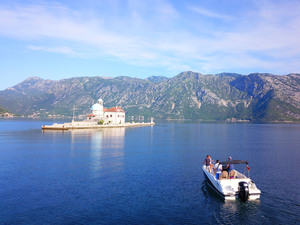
point(243, 191)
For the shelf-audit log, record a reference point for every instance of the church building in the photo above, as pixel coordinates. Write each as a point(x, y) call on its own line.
point(114, 115)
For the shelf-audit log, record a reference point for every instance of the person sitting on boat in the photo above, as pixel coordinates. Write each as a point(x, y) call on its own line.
point(217, 169)
point(207, 162)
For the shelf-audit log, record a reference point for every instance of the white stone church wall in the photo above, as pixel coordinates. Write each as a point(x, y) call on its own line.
point(114, 117)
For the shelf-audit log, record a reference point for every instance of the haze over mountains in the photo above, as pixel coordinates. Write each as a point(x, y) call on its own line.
point(189, 95)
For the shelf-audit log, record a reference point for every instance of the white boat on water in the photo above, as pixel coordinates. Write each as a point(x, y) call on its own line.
point(233, 185)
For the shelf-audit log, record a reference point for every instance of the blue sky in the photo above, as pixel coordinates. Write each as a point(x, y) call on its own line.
point(68, 38)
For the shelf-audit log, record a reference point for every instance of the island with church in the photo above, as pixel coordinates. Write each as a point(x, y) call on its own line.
point(99, 117)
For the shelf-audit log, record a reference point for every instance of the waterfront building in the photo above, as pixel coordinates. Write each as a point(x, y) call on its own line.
point(114, 115)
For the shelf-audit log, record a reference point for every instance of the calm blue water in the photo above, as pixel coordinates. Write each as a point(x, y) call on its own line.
point(146, 175)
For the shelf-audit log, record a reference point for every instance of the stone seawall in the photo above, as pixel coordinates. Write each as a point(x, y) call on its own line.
point(87, 125)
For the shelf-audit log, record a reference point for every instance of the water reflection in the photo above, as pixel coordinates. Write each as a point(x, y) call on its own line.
point(101, 138)
point(106, 146)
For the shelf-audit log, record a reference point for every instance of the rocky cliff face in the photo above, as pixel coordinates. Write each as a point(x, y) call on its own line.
point(188, 95)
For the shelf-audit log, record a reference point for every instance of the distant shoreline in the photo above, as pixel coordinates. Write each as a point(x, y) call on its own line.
point(191, 120)
point(229, 121)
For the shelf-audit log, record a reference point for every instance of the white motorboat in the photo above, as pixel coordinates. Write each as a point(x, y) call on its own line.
point(233, 185)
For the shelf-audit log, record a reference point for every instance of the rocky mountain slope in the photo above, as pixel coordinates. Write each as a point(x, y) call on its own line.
point(189, 95)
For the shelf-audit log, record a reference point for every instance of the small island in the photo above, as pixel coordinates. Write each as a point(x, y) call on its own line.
point(99, 117)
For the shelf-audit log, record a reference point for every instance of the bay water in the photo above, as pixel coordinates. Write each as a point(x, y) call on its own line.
point(144, 175)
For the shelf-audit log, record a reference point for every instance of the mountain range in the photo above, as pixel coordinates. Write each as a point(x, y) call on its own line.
point(189, 95)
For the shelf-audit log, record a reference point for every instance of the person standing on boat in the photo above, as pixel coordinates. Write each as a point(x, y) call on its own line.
point(229, 167)
point(207, 162)
point(211, 163)
point(218, 169)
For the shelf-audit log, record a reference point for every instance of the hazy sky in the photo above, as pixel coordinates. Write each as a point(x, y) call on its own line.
point(68, 38)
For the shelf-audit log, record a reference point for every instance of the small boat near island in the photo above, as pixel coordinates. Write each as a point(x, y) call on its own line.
point(233, 185)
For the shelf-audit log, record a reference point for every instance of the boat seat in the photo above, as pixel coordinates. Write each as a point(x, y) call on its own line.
point(232, 174)
point(224, 175)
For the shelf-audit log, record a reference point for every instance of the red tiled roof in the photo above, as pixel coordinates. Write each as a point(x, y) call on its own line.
point(91, 115)
point(114, 109)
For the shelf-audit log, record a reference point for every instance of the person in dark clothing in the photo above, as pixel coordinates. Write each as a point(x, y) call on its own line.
point(229, 167)
point(207, 162)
